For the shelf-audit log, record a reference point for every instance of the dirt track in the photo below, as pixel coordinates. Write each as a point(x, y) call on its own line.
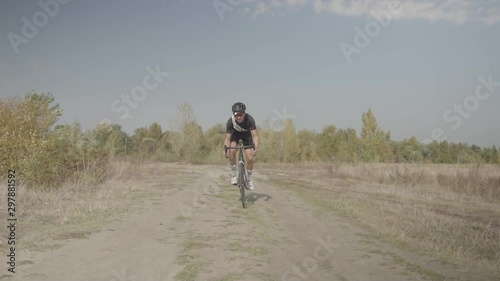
point(197, 230)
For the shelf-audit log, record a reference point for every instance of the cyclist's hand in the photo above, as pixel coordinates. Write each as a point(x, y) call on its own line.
point(254, 152)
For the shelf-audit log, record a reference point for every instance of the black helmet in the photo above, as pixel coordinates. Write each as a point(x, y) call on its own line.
point(238, 107)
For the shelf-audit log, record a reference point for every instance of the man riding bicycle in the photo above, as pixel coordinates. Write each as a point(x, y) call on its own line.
point(241, 126)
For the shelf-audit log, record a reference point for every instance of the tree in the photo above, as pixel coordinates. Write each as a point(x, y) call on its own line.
point(289, 144)
point(444, 153)
point(491, 155)
point(214, 137)
point(26, 125)
point(118, 142)
point(154, 131)
point(329, 142)
point(370, 132)
point(495, 155)
point(149, 140)
point(187, 144)
point(350, 146)
point(269, 144)
point(411, 150)
point(374, 141)
point(476, 149)
point(100, 133)
point(41, 111)
point(308, 149)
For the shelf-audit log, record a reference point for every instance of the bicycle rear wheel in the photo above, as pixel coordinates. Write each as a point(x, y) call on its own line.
point(242, 184)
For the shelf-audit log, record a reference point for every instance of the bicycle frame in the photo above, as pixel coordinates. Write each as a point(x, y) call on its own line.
point(242, 172)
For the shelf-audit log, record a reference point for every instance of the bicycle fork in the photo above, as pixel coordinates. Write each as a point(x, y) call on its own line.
point(243, 179)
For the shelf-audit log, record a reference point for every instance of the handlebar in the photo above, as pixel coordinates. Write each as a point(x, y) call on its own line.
point(238, 147)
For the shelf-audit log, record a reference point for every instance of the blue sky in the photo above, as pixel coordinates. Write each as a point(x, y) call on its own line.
point(419, 68)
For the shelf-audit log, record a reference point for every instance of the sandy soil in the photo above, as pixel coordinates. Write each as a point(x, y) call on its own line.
point(201, 232)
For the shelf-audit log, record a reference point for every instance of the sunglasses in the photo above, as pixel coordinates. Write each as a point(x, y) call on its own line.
point(239, 114)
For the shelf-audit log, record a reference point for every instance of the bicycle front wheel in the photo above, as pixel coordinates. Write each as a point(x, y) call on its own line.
point(242, 185)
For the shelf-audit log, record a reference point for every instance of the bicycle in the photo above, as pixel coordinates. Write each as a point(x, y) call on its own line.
point(242, 179)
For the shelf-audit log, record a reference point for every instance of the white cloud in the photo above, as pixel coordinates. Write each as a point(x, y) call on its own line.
point(290, 3)
point(261, 8)
point(452, 11)
point(492, 16)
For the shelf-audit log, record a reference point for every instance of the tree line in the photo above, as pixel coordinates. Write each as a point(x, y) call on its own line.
point(47, 155)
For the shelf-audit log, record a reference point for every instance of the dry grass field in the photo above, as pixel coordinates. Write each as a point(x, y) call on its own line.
point(48, 217)
point(448, 211)
point(449, 214)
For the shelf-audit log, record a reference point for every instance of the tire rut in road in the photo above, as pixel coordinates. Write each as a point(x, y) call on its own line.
point(139, 245)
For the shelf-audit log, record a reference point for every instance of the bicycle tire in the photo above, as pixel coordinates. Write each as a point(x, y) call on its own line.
point(241, 178)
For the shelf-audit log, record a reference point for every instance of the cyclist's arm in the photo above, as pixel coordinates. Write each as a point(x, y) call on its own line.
point(227, 140)
point(229, 131)
point(255, 138)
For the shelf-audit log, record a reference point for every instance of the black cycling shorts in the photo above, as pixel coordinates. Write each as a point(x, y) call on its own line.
point(247, 140)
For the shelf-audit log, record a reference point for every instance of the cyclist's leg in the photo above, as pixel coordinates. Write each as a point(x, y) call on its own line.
point(249, 152)
point(232, 158)
point(249, 156)
point(232, 152)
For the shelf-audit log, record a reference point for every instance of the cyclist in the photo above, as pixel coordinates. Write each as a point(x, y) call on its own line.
point(241, 126)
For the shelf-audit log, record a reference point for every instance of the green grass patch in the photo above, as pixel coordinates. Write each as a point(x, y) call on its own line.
point(193, 263)
point(191, 270)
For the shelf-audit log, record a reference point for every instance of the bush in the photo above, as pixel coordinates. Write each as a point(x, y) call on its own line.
point(43, 156)
point(24, 134)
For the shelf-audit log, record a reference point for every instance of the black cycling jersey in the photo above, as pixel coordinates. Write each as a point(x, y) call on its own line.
point(240, 129)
